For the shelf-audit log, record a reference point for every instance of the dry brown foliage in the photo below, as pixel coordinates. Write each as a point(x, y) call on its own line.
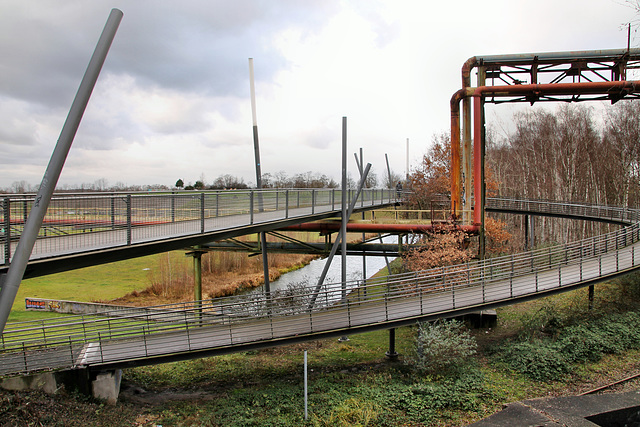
point(497, 238)
point(437, 250)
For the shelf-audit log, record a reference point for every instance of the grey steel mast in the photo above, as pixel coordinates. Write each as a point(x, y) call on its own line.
point(19, 262)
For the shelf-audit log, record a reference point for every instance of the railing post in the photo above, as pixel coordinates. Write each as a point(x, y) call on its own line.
point(217, 204)
point(581, 267)
point(72, 359)
point(286, 197)
point(251, 207)
point(483, 275)
point(453, 295)
point(511, 278)
point(128, 219)
point(313, 201)
point(6, 207)
point(173, 206)
point(202, 212)
point(559, 275)
point(600, 265)
point(333, 199)
point(113, 211)
point(25, 210)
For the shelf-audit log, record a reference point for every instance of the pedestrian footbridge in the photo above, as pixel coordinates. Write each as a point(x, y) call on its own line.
point(224, 325)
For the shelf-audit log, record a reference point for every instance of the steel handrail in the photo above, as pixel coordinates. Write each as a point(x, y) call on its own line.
point(395, 289)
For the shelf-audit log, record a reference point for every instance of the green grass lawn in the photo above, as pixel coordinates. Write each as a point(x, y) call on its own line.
point(97, 283)
point(352, 383)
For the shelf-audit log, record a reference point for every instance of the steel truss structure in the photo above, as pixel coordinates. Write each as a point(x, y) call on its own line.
point(599, 75)
point(553, 68)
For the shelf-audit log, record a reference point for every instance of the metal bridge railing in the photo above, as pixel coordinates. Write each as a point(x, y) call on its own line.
point(579, 210)
point(79, 222)
point(72, 340)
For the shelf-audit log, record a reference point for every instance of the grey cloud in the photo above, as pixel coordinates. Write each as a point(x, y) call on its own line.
point(194, 46)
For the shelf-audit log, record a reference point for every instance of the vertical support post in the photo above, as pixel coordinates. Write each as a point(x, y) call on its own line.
point(263, 237)
point(50, 178)
point(480, 140)
point(526, 233)
point(392, 354)
point(467, 159)
point(197, 280)
point(456, 175)
point(591, 296)
point(345, 219)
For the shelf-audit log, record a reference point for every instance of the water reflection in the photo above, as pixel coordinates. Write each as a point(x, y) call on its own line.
point(309, 275)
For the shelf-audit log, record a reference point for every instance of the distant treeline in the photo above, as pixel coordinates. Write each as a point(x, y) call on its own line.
point(222, 182)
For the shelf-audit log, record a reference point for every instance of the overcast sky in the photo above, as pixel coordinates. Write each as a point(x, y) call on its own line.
point(173, 98)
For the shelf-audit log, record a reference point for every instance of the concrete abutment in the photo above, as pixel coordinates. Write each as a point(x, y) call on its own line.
point(104, 385)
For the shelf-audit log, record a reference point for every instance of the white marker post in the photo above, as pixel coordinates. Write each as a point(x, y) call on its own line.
point(306, 408)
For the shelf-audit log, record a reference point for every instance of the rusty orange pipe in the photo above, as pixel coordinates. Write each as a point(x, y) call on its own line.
point(588, 88)
point(376, 228)
point(456, 175)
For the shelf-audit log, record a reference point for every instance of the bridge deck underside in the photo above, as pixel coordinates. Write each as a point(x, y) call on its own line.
point(61, 253)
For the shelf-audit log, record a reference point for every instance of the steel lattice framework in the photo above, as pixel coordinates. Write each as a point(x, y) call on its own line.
point(598, 75)
point(552, 68)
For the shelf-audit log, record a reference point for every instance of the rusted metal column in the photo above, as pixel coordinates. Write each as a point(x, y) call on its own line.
point(467, 158)
point(481, 142)
point(456, 175)
point(477, 161)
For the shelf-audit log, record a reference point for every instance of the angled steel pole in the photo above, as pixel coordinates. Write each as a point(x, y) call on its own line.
point(386, 158)
point(28, 238)
point(256, 148)
point(336, 243)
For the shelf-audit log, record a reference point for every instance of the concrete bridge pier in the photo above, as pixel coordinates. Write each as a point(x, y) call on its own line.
point(104, 385)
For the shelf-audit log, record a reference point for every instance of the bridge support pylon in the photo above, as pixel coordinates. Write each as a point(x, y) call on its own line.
point(392, 354)
point(103, 385)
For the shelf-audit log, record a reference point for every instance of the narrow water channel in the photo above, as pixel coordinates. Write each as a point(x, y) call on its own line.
point(309, 274)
